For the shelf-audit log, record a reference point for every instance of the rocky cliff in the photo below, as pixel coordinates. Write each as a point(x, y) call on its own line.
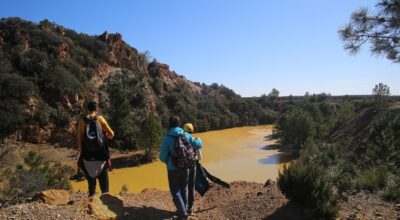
point(48, 73)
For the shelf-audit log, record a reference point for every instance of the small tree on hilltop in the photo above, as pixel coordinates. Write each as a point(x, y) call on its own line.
point(381, 94)
point(151, 131)
point(273, 95)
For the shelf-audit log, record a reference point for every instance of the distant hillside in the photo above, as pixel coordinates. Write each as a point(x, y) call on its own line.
point(48, 72)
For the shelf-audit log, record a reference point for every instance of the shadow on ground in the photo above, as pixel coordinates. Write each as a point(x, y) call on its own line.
point(146, 213)
point(287, 212)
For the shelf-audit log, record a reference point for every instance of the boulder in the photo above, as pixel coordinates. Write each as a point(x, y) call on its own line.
point(54, 197)
point(106, 206)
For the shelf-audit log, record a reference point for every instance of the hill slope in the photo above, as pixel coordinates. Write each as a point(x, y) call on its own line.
point(48, 72)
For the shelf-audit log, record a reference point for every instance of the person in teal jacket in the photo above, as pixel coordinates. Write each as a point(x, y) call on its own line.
point(177, 177)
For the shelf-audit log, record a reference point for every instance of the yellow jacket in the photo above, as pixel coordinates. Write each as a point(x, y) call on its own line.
point(104, 126)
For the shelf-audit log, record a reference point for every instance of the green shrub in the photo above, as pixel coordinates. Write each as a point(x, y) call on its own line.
point(392, 190)
point(38, 176)
point(15, 90)
point(307, 186)
point(384, 141)
point(346, 111)
point(344, 182)
point(60, 117)
point(372, 179)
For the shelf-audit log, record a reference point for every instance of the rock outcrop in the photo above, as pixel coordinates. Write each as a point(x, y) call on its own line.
point(63, 51)
point(54, 197)
point(106, 206)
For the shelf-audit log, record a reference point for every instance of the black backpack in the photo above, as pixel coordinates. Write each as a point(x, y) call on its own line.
point(183, 155)
point(93, 140)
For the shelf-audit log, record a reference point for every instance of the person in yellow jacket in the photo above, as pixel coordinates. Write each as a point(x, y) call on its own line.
point(188, 128)
point(94, 158)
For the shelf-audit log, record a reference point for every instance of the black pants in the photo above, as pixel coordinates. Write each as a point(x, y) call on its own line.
point(103, 181)
point(191, 182)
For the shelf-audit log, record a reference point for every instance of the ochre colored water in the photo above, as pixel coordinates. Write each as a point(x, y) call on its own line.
point(230, 154)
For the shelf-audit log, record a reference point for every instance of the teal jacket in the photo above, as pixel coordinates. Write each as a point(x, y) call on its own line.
point(168, 145)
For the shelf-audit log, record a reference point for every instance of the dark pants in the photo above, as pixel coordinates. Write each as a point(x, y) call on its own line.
point(178, 181)
point(191, 190)
point(103, 181)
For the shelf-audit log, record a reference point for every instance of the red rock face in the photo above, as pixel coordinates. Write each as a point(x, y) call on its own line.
point(63, 51)
point(25, 41)
point(37, 135)
point(101, 73)
point(121, 54)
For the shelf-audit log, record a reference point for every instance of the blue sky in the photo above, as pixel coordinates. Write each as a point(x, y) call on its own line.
point(250, 46)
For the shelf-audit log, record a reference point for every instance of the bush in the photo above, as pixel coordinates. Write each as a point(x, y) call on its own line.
point(392, 190)
point(307, 186)
point(14, 92)
point(372, 179)
point(384, 141)
point(334, 159)
point(60, 117)
point(38, 176)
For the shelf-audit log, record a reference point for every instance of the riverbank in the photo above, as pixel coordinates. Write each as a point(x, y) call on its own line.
point(243, 200)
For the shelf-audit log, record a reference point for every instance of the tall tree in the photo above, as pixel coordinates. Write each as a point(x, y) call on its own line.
point(381, 94)
point(381, 29)
point(273, 95)
point(120, 119)
point(151, 131)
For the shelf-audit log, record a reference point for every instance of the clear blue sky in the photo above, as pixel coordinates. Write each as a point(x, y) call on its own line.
point(250, 46)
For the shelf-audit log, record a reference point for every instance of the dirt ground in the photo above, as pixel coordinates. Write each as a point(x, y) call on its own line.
point(243, 200)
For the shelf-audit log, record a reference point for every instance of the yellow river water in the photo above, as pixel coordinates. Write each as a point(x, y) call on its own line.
point(230, 154)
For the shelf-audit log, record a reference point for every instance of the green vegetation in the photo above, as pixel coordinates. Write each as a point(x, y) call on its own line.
point(14, 91)
point(48, 71)
point(378, 27)
point(151, 134)
point(37, 175)
point(372, 179)
point(341, 148)
point(311, 119)
point(381, 94)
point(308, 186)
